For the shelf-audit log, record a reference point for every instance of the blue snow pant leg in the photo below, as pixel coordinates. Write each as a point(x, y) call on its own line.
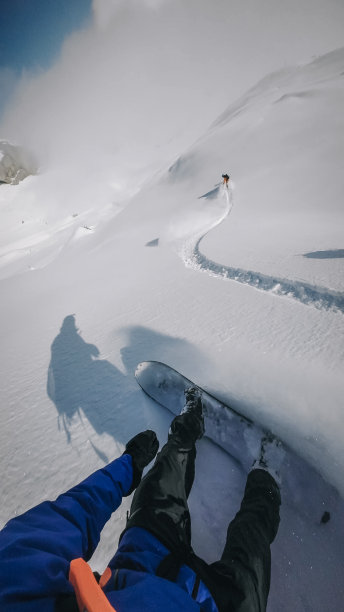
point(160, 501)
point(245, 565)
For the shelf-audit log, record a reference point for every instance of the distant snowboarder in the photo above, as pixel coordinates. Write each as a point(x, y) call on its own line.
point(226, 178)
point(43, 552)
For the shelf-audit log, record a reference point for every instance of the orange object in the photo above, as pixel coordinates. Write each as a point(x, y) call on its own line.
point(89, 594)
point(105, 577)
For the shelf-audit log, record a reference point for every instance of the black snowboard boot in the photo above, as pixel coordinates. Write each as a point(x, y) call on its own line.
point(193, 401)
point(160, 501)
point(189, 425)
point(272, 454)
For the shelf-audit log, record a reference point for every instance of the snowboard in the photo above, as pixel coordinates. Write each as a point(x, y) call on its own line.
point(236, 434)
point(303, 488)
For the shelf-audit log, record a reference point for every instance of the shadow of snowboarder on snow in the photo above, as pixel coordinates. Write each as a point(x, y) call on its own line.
point(81, 383)
point(83, 386)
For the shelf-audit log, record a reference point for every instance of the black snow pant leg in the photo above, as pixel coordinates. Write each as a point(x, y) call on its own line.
point(160, 501)
point(246, 558)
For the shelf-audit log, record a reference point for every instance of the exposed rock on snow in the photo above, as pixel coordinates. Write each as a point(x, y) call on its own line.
point(16, 163)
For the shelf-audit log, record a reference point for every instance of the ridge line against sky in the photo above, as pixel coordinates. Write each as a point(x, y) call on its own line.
point(139, 80)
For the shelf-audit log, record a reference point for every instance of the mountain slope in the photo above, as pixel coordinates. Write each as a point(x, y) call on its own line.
point(88, 298)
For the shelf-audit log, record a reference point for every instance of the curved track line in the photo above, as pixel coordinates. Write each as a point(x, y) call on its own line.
point(310, 295)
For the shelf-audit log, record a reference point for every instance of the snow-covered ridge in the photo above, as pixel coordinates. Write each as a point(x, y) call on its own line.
point(289, 83)
point(282, 143)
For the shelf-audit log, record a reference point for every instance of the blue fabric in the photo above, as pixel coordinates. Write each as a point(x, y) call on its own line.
point(137, 559)
point(36, 549)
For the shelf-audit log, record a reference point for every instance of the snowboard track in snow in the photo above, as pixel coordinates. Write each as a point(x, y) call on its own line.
point(309, 295)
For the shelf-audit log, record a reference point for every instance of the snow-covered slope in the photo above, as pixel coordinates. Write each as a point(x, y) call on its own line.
point(242, 290)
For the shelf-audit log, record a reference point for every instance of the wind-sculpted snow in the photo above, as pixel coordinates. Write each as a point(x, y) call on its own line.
point(310, 295)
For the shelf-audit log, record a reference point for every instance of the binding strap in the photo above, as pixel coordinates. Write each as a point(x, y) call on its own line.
point(89, 594)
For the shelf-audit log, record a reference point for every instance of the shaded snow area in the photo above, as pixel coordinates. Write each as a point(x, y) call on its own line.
point(241, 288)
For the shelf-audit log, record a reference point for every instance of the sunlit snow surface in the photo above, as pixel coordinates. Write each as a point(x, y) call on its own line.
point(237, 302)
